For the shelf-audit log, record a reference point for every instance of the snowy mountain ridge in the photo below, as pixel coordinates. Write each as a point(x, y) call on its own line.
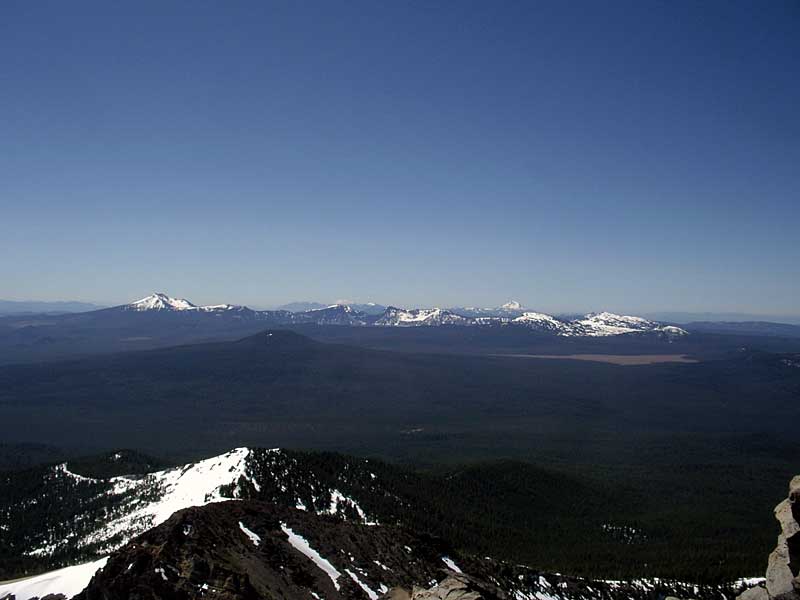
point(250, 501)
point(158, 301)
point(105, 514)
point(598, 324)
point(400, 317)
point(132, 504)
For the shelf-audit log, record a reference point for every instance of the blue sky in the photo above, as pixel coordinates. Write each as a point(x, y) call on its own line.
point(631, 156)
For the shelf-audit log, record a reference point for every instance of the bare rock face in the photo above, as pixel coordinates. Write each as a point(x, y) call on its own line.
point(758, 592)
point(454, 587)
point(783, 568)
point(783, 582)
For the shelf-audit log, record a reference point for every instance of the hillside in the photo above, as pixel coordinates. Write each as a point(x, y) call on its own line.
point(589, 525)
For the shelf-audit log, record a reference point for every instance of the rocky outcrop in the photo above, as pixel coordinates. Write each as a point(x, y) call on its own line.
point(783, 568)
point(758, 592)
point(455, 586)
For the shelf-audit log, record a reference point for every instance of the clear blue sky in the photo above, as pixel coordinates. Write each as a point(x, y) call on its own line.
point(572, 155)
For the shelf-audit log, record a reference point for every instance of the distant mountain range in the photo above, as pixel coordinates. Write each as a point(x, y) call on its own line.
point(511, 314)
point(682, 318)
point(161, 320)
point(18, 307)
point(511, 308)
point(760, 328)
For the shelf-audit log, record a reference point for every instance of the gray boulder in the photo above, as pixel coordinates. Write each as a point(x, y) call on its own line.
point(758, 592)
point(455, 587)
point(452, 588)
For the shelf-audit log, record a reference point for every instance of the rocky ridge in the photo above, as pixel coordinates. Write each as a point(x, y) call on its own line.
point(253, 550)
point(783, 567)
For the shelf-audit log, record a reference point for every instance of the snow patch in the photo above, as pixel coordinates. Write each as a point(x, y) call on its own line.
point(339, 500)
point(450, 564)
point(168, 491)
point(250, 534)
point(367, 590)
point(160, 301)
point(300, 544)
point(62, 468)
point(68, 581)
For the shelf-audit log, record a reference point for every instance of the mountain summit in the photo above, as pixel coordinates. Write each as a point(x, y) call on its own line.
point(160, 301)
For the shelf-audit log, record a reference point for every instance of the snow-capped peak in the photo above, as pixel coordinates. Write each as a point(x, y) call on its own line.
point(160, 301)
point(534, 317)
point(421, 317)
point(597, 324)
point(212, 307)
point(608, 323)
point(339, 305)
point(606, 316)
point(543, 321)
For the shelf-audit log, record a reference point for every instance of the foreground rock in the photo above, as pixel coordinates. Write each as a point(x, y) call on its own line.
point(454, 587)
point(783, 568)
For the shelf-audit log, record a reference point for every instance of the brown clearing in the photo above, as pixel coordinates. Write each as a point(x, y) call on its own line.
point(614, 359)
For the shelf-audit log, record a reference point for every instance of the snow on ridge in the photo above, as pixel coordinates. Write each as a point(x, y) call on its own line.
point(159, 301)
point(141, 502)
point(591, 325)
point(214, 307)
point(62, 468)
point(399, 317)
point(68, 581)
point(540, 318)
point(608, 323)
point(512, 305)
point(335, 314)
point(301, 545)
point(337, 499)
point(596, 324)
point(367, 590)
point(605, 315)
point(254, 537)
point(164, 493)
point(450, 564)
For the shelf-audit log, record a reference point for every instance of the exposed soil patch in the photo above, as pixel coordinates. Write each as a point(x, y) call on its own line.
point(614, 359)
